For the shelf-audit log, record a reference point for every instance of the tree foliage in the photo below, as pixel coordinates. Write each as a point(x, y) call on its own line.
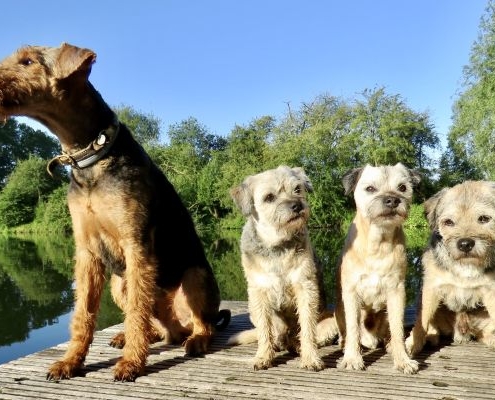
point(26, 186)
point(472, 135)
point(326, 137)
point(18, 141)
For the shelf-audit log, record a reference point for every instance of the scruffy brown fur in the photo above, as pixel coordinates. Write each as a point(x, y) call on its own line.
point(285, 284)
point(371, 274)
point(458, 289)
point(127, 218)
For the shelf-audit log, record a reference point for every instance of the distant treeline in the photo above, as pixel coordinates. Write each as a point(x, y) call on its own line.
point(326, 136)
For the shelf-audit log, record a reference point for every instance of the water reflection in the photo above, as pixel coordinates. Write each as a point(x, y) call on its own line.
point(36, 296)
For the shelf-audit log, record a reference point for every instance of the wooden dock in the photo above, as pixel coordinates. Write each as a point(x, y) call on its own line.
point(451, 372)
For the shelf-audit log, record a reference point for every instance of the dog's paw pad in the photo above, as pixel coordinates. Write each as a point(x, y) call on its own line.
point(62, 370)
point(118, 341)
point(314, 365)
point(127, 371)
point(262, 363)
point(197, 344)
point(408, 366)
point(355, 363)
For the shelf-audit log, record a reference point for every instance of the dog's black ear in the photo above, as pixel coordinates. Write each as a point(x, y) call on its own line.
point(71, 59)
point(303, 177)
point(242, 198)
point(350, 180)
point(430, 207)
point(415, 177)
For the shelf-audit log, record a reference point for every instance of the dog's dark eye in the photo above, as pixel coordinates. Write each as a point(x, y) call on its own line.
point(269, 198)
point(448, 222)
point(26, 61)
point(370, 189)
point(484, 219)
point(297, 189)
point(402, 188)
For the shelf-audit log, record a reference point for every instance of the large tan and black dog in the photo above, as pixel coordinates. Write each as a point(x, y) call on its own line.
point(371, 275)
point(127, 217)
point(285, 286)
point(458, 290)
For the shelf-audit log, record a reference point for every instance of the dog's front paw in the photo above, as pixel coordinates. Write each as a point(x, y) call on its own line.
point(351, 363)
point(262, 363)
point(127, 371)
point(489, 340)
point(313, 364)
point(63, 370)
point(459, 338)
point(407, 366)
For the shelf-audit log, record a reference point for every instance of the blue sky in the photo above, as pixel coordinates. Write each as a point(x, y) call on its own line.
point(229, 62)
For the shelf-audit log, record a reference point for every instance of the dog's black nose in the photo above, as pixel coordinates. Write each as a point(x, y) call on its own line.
point(297, 206)
point(465, 244)
point(391, 201)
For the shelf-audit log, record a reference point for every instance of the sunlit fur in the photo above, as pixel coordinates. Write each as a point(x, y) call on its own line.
point(285, 287)
point(372, 268)
point(458, 291)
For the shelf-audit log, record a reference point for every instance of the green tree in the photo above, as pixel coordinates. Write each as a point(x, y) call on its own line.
point(390, 132)
point(18, 141)
point(473, 128)
point(144, 127)
point(28, 184)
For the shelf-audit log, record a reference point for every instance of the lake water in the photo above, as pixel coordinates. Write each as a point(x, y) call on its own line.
point(36, 285)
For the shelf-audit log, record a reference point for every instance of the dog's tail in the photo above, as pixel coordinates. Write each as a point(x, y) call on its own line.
point(327, 330)
point(243, 337)
point(223, 319)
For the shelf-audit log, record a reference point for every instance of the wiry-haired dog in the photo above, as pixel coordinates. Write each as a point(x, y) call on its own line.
point(126, 215)
point(371, 275)
point(285, 286)
point(458, 290)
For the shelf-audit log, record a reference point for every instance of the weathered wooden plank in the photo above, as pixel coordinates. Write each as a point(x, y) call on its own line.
point(449, 372)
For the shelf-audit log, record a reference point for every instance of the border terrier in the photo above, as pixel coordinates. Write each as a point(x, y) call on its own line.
point(458, 288)
point(371, 275)
point(127, 218)
point(285, 281)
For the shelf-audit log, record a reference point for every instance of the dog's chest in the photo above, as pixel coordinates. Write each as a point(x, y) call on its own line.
point(276, 276)
point(374, 280)
point(463, 294)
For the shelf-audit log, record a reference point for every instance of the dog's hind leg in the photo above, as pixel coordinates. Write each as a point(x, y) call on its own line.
point(90, 279)
point(203, 298)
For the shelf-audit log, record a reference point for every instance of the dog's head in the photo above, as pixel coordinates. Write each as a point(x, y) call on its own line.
point(36, 74)
point(462, 221)
point(382, 194)
point(276, 200)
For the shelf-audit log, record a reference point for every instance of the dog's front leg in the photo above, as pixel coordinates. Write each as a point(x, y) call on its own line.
point(395, 309)
point(429, 305)
point(89, 279)
point(140, 279)
point(307, 305)
point(352, 350)
point(261, 314)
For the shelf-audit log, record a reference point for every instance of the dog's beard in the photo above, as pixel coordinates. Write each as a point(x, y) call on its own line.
point(290, 221)
point(379, 213)
point(467, 265)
